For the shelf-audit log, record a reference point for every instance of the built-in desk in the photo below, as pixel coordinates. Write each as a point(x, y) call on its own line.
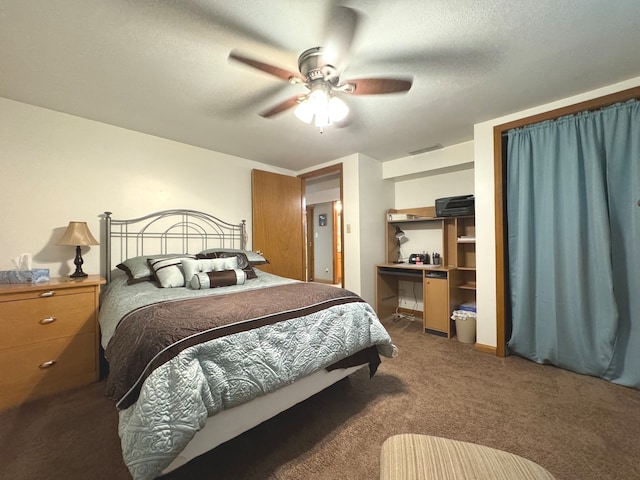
point(439, 284)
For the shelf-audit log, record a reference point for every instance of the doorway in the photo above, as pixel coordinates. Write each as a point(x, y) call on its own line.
point(324, 226)
point(324, 242)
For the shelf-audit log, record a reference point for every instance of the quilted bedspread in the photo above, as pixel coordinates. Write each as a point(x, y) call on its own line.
point(201, 380)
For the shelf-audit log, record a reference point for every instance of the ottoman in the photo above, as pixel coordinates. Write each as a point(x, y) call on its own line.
point(423, 457)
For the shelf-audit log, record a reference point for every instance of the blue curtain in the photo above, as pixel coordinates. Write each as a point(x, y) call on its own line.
point(573, 222)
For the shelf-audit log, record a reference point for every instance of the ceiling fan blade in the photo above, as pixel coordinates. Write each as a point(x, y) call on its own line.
point(265, 67)
point(340, 31)
point(281, 107)
point(377, 86)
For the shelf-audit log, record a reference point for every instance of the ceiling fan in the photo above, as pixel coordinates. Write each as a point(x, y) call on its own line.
point(319, 71)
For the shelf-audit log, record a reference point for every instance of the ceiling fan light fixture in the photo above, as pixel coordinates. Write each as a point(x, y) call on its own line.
point(338, 110)
point(303, 112)
point(322, 108)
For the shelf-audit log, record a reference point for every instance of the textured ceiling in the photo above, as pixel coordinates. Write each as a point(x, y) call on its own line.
point(161, 67)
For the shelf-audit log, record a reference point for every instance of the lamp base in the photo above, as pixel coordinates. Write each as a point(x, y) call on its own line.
point(78, 263)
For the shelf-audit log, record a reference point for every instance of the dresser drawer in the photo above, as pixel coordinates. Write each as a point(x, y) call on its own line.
point(38, 319)
point(48, 337)
point(43, 368)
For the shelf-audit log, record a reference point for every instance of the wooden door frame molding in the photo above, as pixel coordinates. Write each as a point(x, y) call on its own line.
point(331, 169)
point(337, 227)
point(309, 229)
point(500, 191)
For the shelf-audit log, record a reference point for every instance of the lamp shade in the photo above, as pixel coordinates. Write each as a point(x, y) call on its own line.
point(401, 237)
point(77, 234)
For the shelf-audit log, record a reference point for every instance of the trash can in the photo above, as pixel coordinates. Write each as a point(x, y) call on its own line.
point(465, 326)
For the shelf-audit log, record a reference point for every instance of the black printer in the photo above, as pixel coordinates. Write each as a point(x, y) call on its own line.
point(455, 206)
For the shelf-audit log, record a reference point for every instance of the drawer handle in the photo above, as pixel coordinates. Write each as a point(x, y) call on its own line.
point(48, 364)
point(50, 293)
point(48, 320)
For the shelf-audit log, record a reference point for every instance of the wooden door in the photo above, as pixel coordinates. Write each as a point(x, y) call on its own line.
point(278, 222)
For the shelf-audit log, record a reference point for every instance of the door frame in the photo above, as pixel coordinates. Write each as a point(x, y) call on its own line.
point(310, 243)
point(338, 241)
point(331, 169)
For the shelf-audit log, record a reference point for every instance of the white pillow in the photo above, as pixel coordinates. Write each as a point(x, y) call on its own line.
point(192, 267)
point(168, 271)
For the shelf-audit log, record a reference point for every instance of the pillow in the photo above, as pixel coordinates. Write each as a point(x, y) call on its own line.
point(138, 269)
point(192, 266)
point(168, 271)
point(243, 262)
point(255, 258)
point(224, 278)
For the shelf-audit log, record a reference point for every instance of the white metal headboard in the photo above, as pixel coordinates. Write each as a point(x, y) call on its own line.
point(168, 231)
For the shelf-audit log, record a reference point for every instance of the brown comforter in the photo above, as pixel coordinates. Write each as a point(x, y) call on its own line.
point(152, 335)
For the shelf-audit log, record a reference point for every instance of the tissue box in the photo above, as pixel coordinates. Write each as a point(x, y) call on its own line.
point(37, 275)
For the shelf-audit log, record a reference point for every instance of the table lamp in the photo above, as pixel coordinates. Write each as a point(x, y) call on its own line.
point(77, 234)
point(401, 238)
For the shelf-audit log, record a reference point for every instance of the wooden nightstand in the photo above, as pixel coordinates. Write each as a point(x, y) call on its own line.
point(48, 337)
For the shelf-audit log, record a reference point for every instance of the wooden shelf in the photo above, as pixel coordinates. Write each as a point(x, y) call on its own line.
point(441, 296)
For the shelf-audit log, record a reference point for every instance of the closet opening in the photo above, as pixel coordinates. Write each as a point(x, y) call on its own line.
point(503, 314)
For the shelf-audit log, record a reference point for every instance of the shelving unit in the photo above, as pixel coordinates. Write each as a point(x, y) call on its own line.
point(457, 273)
point(466, 257)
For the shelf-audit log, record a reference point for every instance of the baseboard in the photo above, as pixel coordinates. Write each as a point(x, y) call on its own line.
point(485, 348)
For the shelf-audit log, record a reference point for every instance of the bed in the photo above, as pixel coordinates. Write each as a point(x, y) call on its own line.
point(202, 345)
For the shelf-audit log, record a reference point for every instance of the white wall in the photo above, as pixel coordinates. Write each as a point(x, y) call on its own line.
point(422, 192)
point(419, 180)
point(375, 195)
point(55, 168)
point(485, 205)
point(446, 160)
point(325, 189)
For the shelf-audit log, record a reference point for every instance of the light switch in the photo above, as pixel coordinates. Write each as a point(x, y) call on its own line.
point(348, 228)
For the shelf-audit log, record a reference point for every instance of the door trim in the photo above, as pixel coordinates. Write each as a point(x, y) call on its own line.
point(331, 169)
point(310, 244)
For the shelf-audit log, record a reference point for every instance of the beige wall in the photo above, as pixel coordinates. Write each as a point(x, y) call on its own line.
point(55, 168)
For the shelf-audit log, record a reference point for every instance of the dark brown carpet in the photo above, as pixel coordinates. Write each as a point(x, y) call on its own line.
point(575, 426)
